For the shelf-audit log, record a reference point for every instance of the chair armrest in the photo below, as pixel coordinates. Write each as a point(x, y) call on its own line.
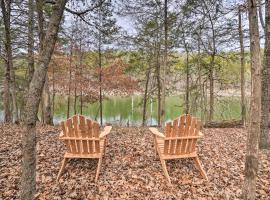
point(61, 134)
point(200, 134)
point(106, 131)
point(156, 132)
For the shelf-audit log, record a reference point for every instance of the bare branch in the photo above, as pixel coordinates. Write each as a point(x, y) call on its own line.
point(79, 13)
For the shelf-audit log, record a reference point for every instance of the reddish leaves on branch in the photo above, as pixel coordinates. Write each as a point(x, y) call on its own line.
point(115, 79)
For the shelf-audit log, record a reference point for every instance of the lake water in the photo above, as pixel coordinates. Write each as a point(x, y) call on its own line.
point(128, 110)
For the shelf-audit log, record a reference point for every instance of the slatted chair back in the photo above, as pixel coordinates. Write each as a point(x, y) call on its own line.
point(81, 135)
point(181, 135)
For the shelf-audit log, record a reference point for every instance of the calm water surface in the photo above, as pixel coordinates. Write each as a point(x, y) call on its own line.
point(128, 110)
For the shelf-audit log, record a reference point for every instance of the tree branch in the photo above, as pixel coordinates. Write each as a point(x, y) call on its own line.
point(79, 13)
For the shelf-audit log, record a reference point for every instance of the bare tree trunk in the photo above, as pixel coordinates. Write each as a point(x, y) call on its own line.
point(46, 99)
point(187, 85)
point(6, 84)
point(200, 81)
point(41, 34)
point(242, 55)
point(211, 88)
point(157, 49)
point(264, 136)
point(261, 14)
point(6, 9)
point(70, 77)
point(81, 101)
point(53, 88)
point(205, 100)
point(30, 53)
point(75, 92)
point(14, 96)
point(6, 96)
point(28, 179)
point(145, 98)
point(252, 162)
point(81, 77)
point(31, 61)
point(164, 70)
point(100, 79)
point(159, 95)
point(212, 65)
point(46, 106)
point(187, 109)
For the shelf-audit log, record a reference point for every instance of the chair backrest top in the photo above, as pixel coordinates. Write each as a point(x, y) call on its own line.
point(81, 135)
point(80, 126)
point(185, 125)
point(181, 135)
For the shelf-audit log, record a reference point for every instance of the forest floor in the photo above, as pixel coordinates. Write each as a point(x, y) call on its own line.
point(129, 169)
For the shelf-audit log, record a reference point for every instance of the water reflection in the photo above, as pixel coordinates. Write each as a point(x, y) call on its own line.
point(128, 110)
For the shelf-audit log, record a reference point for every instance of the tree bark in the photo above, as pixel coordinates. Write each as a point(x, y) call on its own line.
point(265, 105)
point(41, 34)
point(187, 109)
point(159, 95)
point(201, 87)
point(81, 77)
point(100, 79)
point(75, 92)
point(70, 77)
point(224, 124)
point(252, 162)
point(53, 88)
point(261, 14)
point(28, 179)
point(30, 51)
point(205, 102)
point(242, 60)
point(164, 70)
point(14, 95)
point(157, 52)
point(31, 61)
point(76, 79)
point(212, 65)
point(145, 98)
point(46, 99)
point(6, 10)
point(211, 88)
point(6, 94)
point(46, 106)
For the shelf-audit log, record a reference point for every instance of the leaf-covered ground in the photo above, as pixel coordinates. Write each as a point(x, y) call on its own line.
point(129, 169)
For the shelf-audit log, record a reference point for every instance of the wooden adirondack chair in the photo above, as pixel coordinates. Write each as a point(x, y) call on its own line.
point(83, 139)
point(179, 141)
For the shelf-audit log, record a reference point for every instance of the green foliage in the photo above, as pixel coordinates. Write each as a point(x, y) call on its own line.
point(227, 66)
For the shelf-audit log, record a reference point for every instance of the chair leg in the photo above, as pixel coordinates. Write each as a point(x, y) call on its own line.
point(64, 162)
point(163, 164)
point(98, 168)
point(200, 168)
